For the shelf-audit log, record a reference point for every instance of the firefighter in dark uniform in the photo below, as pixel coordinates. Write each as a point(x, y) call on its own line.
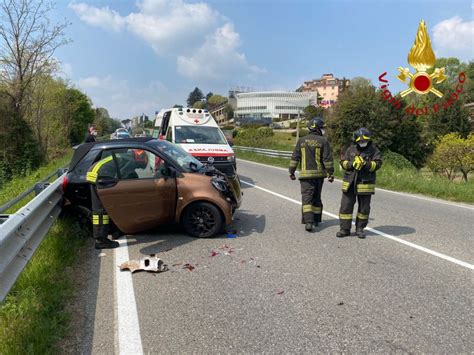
point(100, 218)
point(360, 162)
point(313, 154)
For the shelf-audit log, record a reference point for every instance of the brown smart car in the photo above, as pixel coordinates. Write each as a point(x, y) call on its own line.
point(154, 183)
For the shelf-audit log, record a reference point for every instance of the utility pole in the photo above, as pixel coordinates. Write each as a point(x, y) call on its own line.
point(298, 125)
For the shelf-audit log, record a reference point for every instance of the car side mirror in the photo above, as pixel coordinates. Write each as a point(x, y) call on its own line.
point(106, 182)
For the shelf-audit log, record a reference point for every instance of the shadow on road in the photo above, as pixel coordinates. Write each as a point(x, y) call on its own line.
point(327, 223)
point(247, 223)
point(395, 230)
point(246, 179)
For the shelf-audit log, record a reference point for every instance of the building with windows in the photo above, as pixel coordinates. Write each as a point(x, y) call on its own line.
point(268, 106)
point(221, 113)
point(328, 87)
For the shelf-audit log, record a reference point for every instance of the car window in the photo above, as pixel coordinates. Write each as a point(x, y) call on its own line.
point(169, 135)
point(198, 135)
point(138, 164)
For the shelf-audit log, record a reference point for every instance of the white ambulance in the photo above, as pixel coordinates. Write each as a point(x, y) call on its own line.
point(196, 131)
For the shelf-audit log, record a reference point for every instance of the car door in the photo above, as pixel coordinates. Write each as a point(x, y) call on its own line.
point(141, 195)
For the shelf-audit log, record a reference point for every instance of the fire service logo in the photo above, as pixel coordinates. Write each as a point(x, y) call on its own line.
point(421, 57)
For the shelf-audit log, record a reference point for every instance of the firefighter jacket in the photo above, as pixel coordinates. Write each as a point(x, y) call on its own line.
point(363, 179)
point(313, 153)
point(104, 167)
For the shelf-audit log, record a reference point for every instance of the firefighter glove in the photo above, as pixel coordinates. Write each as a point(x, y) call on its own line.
point(330, 178)
point(358, 163)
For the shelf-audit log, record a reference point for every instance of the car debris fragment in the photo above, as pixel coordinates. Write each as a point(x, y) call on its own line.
point(147, 263)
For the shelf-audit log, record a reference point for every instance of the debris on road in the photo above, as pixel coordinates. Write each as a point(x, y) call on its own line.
point(340, 303)
point(102, 255)
point(148, 263)
point(280, 291)
point(189, 267)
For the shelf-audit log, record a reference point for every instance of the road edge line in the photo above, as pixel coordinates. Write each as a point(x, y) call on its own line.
point(382, 234)
point(128, 336)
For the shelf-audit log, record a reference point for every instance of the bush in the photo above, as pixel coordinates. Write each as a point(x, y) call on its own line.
point(396, 160)
point(228, 127)
point(453, 154)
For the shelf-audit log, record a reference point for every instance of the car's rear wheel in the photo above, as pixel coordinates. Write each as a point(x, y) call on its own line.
point(202, 220)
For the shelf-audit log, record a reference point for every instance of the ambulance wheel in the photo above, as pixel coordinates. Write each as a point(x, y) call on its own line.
point(202, 220)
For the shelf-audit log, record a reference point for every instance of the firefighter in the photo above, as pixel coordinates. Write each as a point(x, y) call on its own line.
point(360, 162)
point(100, 218)
point(313, 153)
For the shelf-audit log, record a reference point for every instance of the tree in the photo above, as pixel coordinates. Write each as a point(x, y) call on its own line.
point(177, 106)
point(194, 96)
point(215, 100)
point(361, 105)
point(453, 153)
point(209, 95)
point(27, 44)
point(78, 115)
point(199, 104)
point(311, 111)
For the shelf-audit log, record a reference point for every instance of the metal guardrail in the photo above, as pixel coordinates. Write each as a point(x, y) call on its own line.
point(267, 152)
point(22, 232)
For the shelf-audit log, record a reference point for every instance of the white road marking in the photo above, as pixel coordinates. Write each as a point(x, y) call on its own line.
point(385, 235)
point(380, 189)
point(128, 329)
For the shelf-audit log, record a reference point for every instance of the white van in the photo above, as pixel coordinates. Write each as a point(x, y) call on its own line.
point(196, 131)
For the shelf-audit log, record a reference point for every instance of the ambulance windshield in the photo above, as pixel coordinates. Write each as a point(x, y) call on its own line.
point(198, 135)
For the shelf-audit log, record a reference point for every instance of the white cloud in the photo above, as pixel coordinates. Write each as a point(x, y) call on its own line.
point(187, 31)
point(92, 82)
point(217, 58)
point(103, 17)
point(454, 37)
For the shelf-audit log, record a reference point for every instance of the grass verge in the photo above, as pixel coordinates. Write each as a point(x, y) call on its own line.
point(394, 179)
point(15, 187)
point(32, 317)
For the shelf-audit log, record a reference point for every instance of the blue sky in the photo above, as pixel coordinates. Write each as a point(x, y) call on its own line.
point(140, 56)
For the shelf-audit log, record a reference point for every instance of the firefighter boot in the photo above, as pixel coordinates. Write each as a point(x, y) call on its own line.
point(360, 233)
point(343, 233)
point(105, 243)
point(308, 227)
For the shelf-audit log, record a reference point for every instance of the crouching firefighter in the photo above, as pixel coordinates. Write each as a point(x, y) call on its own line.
point(313, 153)
point(100, 218)
point(360, 162)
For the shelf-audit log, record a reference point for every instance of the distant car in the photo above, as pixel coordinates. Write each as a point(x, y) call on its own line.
point(154, 183)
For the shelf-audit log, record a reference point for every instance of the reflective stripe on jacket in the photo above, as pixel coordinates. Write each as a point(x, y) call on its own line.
point(363, 179)
point(313, 154)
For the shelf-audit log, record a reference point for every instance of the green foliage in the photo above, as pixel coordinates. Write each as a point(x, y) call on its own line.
point(33, 317)
point(397, 161)
point(453, 154)
point(199, 104)
point(13, 187)
point(105, 124)
point(79, 107)
point(228, 128)
point(363, 106)
point(194, 96)
point(149, 124)
point(216, 100)
point(312, 111)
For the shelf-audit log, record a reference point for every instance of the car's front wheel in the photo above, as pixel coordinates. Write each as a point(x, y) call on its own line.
point(202, 220)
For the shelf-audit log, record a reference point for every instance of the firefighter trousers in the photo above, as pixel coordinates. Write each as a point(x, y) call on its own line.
point(312, 208)
point(347, 206)
point(100, 218)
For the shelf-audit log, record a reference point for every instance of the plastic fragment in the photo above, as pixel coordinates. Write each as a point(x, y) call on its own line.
point(149, 263)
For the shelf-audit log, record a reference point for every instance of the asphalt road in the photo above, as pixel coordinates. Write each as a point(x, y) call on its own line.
point(278, 289)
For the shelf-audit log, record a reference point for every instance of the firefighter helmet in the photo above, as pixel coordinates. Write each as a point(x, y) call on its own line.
point(316, 124)
point(362, 135)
